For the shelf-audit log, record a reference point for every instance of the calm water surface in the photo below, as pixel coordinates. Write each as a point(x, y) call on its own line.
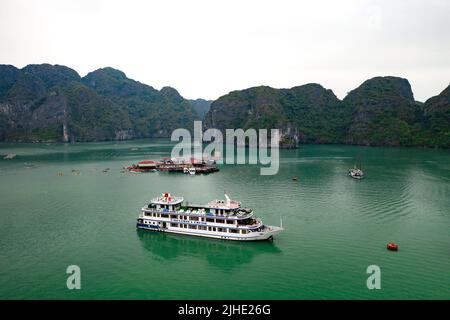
point(335, 226)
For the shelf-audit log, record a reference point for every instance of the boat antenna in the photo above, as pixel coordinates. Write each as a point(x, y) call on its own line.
point(281, 222)
point(227, 198)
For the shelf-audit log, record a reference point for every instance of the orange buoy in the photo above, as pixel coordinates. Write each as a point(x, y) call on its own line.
point(392, 246)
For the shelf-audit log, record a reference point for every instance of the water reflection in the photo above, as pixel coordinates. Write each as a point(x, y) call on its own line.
point(226, 255)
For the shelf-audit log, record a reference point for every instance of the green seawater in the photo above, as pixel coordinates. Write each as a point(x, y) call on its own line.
point(335, 227)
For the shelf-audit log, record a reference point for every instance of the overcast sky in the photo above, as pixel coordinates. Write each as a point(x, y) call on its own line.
point(206, 48)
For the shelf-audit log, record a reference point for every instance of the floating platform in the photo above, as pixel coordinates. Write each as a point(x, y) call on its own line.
point(170, 166)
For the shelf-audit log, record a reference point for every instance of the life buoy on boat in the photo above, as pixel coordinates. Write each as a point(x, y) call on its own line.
point(392, 246)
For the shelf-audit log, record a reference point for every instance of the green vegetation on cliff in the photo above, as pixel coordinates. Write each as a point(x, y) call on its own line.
point(437, 120)
point(382, 111)
point(53, 103)
point(39, 101)
point(152, 113)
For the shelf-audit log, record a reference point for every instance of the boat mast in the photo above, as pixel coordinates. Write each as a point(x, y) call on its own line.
point(227, 198)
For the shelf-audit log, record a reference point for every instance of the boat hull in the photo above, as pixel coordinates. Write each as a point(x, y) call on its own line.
point(267, 234)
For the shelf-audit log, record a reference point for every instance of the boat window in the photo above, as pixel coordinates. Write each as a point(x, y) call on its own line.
point(234, 230)
point(194, 218)
point(244, 231)
point(230, 222)
point(192, 226)
point(209, 220)
point(246, 222)
point(220, 221)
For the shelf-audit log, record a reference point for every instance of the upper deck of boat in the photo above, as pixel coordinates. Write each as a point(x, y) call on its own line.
point(167, 200)
point(223, 204)
point(197, 210)
point(195, 213)
point(224, 209)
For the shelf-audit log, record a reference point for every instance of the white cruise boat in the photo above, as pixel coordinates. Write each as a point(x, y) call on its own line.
point(221, 219)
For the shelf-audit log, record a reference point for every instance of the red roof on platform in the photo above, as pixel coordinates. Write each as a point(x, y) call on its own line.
point(147, 162)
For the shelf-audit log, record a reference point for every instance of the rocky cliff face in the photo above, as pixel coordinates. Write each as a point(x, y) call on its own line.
point(305, 114)
point(52, 103)
point(152, 113)
point(382, 111)
point(437, 119)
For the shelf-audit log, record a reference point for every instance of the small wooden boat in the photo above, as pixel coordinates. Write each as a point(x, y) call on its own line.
point(10, 156)
point(355, 172)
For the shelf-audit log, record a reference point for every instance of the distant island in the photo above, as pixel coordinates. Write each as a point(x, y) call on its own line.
point(52, 103)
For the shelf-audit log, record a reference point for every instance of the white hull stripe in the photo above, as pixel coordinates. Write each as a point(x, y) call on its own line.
point(260, 236)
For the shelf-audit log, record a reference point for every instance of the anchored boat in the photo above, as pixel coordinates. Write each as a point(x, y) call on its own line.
point(355, 172)
point(221, 219)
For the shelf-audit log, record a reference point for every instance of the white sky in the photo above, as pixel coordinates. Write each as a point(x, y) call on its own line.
point(206, 48)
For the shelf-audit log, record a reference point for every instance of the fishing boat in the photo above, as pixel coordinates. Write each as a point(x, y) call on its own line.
point(355, 172)
point(220, 219)
point(10, 156)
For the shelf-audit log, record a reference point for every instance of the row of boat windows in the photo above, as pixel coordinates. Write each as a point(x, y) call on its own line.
point(205, 228)
point(190, 218)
